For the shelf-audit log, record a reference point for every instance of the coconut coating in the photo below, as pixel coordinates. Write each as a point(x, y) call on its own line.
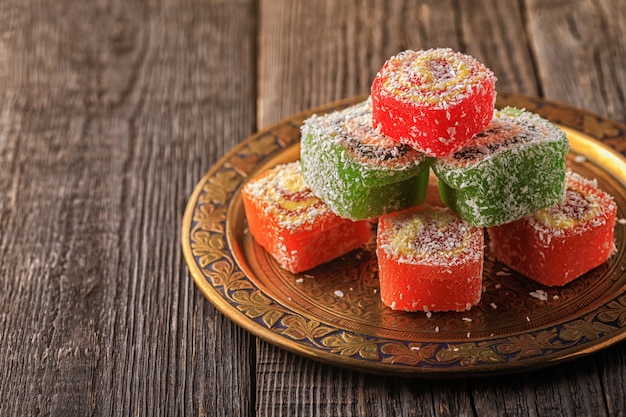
point(433, 100)
point(509, 170)
point(359, 172)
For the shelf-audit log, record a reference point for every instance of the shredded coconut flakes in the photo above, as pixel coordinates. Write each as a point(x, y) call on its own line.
point(540, 295)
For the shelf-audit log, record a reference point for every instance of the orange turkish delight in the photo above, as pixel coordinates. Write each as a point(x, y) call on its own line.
point(293, 225)
point(557, 245)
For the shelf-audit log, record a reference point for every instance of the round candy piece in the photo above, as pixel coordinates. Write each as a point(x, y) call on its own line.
point(433, 100)
point(558, 244)
point(512, 168)
point(359, 172)
point(429, 260)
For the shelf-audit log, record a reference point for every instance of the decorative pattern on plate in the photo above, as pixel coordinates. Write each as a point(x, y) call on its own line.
point(333, 313)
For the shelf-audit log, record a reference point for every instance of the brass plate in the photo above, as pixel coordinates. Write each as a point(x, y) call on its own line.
point(333, 313)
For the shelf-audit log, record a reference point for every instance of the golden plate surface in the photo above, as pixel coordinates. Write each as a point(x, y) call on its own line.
point(333, 313)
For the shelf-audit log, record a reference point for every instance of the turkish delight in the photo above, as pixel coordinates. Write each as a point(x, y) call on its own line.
point(429, 259)
point(559, 244)
point(294, 226)
point(510, 169)
point(359, 172)
point(433, 100)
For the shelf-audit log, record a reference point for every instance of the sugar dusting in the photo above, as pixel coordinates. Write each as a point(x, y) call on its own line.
point(585, 207)
point(282, 192)
point(352, 131)
point(356, 170)
point(509, 129)
point(433, 236)
point(540, 295)
point(510, 170)
point(437, 77)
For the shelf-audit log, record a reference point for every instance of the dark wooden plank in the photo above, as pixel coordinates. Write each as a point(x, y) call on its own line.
point(564, 390)
point(51, 254)
point(494, 32)
point(110, 112)
point(612, 368)
point(292, 385)
point(579, 49)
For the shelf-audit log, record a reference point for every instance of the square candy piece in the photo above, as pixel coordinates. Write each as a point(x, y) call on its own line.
point(294, 226)
point(359, 172)
point(511, 169)
point(429, 259)
point(557, 245)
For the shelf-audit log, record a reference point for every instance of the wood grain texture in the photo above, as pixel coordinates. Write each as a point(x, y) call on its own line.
point(110, 114)
point(579, 48)
point(298, 71)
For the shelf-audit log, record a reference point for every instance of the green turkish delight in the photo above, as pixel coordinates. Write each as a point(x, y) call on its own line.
point(359, 172)
point(511, 169)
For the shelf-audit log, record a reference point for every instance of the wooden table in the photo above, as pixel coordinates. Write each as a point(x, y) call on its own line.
point(110, 113)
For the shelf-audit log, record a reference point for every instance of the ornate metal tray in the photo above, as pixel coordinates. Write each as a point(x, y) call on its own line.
point(333, 313)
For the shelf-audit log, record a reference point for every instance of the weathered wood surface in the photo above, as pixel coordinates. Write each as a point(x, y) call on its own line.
point(111, 111)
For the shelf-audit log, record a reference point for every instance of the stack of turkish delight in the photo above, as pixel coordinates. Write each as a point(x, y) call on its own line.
point(501, 171)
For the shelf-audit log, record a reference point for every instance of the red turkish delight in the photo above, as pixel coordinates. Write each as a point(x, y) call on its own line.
point(429, 259)
point(559, 244)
